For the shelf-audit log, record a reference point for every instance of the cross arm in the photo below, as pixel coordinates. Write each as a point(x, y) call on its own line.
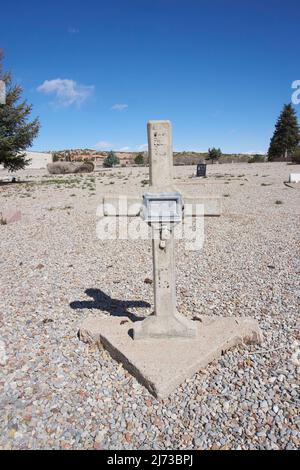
point(131, 206)
point(195, 206)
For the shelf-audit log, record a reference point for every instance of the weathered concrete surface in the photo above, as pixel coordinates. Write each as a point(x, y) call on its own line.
point(163, 364)
point(131, 206)
point(212, 206)
point(38, 160)
point(166, 323)
point(161, 154)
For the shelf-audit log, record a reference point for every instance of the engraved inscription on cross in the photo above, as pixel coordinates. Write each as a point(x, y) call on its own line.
point(162, 208)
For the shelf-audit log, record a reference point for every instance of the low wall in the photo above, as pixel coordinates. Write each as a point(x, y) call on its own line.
point(38, 160)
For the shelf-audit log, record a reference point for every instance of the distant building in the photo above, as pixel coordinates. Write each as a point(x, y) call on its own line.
point(38, 160)
point(126, 158)
point(96, 159)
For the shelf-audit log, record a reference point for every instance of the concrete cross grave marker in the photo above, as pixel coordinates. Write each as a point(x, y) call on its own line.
point(162, 209)
point(165, 348)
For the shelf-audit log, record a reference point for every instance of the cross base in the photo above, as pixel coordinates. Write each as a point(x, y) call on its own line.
point(175, 326)
point(161, 365)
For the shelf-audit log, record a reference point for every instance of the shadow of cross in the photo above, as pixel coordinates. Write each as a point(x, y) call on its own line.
point(115, 307)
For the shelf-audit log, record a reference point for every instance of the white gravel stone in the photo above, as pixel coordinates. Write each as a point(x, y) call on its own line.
point(3, 355)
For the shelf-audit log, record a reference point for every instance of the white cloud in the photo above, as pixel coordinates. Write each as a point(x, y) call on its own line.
point(186, 149)
point(143, 147)
point(67, 91)
point(124, 149)
point(119, 107)
point(216, 113)
point(255, 152)
point(103, 144)
point(73, 30)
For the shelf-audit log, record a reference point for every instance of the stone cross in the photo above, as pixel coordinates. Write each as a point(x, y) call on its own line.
point(162, 208)
point(165, 348)
point(166, 322)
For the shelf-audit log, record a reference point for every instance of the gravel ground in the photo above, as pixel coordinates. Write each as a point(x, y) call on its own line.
point(58, 393)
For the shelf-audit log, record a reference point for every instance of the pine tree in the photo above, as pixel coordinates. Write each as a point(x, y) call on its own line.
point(139, 159)
point(16, 133)
point(111, 160)
point(214, 154)
point(286, 136)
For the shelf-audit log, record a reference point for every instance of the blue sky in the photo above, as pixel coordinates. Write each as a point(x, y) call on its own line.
point(97, 71)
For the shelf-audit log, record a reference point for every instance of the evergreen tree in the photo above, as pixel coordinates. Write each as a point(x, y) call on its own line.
point(111, 160)
point(286, 136)
point(214, 154)
point(139, 159)
point(16, 132)
point(296, 155)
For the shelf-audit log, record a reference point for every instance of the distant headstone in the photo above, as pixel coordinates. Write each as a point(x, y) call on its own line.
point(201, 169)
point(294, 178)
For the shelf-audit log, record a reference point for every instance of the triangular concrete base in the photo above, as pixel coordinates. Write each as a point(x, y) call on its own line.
point(163, 364)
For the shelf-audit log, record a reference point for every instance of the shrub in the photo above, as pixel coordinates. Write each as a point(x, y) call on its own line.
point(256, 159)
point(86, 167)
point(111, 160)
point(184, 158)
point(56, 157)
point(214, 154)
point(296, 156)
point(139, 159)
point(60, 168)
